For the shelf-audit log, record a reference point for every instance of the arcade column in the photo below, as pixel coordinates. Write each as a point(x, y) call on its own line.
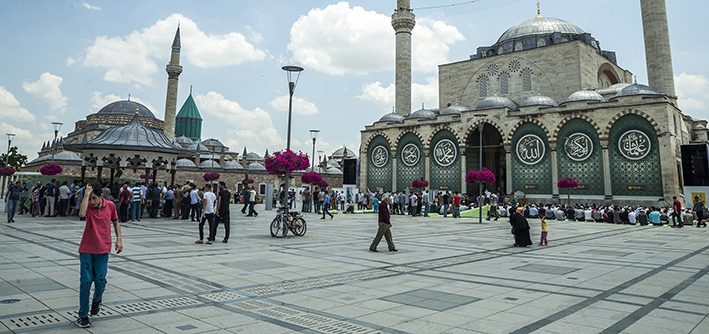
point(607, 186)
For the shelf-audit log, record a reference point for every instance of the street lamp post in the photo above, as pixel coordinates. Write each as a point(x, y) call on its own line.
point(7, 159)
point(314, 135)
point(57, 126)
point(291, 70)
point(480, 185)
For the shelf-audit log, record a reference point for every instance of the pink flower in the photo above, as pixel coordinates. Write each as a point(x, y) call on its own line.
point(419, 184)
point(50, 169)
point(281, 161)
point(7, 171)
point(211, 176)
point(311, 177)
point(484, 175)
point(568, 182)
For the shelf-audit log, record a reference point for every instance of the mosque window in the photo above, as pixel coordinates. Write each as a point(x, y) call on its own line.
point(527, 80)
point(541, 42)
point(514, 66)
point(518, 46)
point(499, 50)
point(492, 69)
point(504, 84)
point(482, 87)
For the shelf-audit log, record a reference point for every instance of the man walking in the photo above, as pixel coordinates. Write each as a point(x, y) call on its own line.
point(413, 206)
point(208, 215)
point(194, 202)
point(64, 193)
point(124, 198)
point(12, 198)
point(246, 200)
point(384, 227)
point(136, 209)
point(426, 204)
point(94, 248)
point(446, 203)
point(676, 211)
point(223, 209)
point(456, 205)
point(493, 207)
point(326, 206)
point(252, 203)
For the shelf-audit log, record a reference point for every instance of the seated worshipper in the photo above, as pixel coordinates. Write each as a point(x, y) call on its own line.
point(632, 216)
point(642, 217)
point(664, 216)
point(588, 214)
point(551, 213)
point(598, 215)
point(654, 216)
point(560, 214)
point(688, 218)
point(533, 212)
point(525, 212)
point(504, 210)
point(349, 207)
point(579, 214)
point(571, 213)
point(616, 216)
point(520, 228)
point(542, 211)
point(624, 216)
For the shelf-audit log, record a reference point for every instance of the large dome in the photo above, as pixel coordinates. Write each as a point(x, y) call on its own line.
point(539, 100)
point(392, 117)
point(637, 89)
point(125, 107)
point(585, 95)
point(495, 101)
point(539, 26)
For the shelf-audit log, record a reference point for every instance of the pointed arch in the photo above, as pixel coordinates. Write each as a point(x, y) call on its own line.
point(470, 128)
point(607, 131)
point(373, 135)
point(405, 131)
point(555, 134)
point(528, 119)
point(436, 129)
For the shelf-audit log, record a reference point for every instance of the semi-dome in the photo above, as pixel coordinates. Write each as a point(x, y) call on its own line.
point(339, 153)
point(539, 100)
point(125, 107)
point(495, 101)
point(392, 117)
point(422, 113)
point(183, 140)
point(539, 26)
point(209, 164)
point(253, 157)
point(256, 166)
point(454, 110)
point(613, 89)
point(198, 147)
point(585, 95)
point(333, 170)
point(637, 89)
point(185, 163)
point(60, 156)
point(233, 165)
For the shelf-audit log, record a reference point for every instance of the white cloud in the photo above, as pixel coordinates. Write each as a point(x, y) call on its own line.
point(10, 108)
point(383, 97)
point(132, 58)
point(87, 6)
point(692, 91)
point(70, 61)
point(26, 142)
point(251, 128)
point(300, 106)
point(46, 89)
point(98, 101)
point(338, 40)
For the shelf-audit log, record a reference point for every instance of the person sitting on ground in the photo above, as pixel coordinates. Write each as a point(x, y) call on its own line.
point(579, 213)
point(570, 213)
point(664, 216)
point(654, 216)
point(349, 207)
point(616, 216)
point(688, 217)
point(533, 212)
point(642, 217)
point(598, 215)
point(624, 215)
point(560, 214)
point(550, 213)
point(632, 216)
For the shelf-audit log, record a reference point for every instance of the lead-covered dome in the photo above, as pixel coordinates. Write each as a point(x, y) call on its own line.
point(233, 165)
point(539, 26)
point(256, 166)
point(339, 153)
point(539, 100)
point(209, 164)
point(125, 107)
point(59, 156)
point(637, 89)
point(613, 89)
point(197, 147)
point(495, 101)
point(454, 110)
point(184, 140)
point(585, 95)
point(392, 117)
point(253, 157)
point(185, 163)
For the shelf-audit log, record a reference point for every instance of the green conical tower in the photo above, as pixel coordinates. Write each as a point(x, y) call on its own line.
point(188, 122)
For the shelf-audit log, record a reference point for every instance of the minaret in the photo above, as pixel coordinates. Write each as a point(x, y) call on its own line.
point(173, 73)
point(657, 46)
point(403, 21)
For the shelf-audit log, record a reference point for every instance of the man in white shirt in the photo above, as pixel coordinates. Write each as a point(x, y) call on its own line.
point(208, 214)
point(414, 204)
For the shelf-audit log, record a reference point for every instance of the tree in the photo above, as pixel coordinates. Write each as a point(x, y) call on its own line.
point(16, 160)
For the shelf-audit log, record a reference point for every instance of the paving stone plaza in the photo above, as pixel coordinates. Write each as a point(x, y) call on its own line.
point(449, 276)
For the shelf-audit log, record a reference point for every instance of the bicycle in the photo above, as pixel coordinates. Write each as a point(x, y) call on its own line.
point(283, 222)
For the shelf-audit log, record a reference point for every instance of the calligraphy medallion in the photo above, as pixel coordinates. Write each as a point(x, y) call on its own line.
point(634, 144)
point(578, 147)
point(411, 154)
point(445, 153)
point(380, 156)
point(530, 149)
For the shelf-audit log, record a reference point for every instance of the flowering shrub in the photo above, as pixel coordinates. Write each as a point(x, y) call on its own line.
point(280, 162)
point(211, 176)
point(7, 171)
point(323, 184)
point(50, 169)
point(568, 182)
point(419, 184)
point(311, 177)
point(142, 176)
point(247, 181)
point(484, 175)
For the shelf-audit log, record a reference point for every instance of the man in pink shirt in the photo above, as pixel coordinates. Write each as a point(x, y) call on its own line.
point(94, 248)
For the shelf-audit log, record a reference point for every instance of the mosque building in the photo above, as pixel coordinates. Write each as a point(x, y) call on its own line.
point(551, 103)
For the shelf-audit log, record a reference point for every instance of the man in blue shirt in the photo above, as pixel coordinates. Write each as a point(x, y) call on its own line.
point(156, 193)
point(326, 206)
point(52, 192)
point(12, 198)
point(136, 209)
point(169, 200)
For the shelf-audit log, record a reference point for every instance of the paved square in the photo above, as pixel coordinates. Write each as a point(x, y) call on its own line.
point(450, 276)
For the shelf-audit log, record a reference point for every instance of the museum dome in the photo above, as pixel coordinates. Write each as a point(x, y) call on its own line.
point(539, 100)
point(185, 163)
point(183, 140)
point(637, 89)
point(209, 164)
point(197, 147)
point(334, 170)
point(613, 89)
point(422, 113)
point(59, 156)
point(585, 95)
point(392, 117)
point(539, 26)
point(212, 142)
point(256, 166)
point(454, 110)
point(339, 153)
point(233, 165)
point(495, 101)
point(253, 157)
point(125, 107)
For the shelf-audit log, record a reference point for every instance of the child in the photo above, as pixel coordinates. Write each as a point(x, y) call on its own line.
point(544, 233)
point(376, 204)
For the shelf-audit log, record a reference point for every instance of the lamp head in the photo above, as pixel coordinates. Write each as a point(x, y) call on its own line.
point(314, 134)
point(10, 136)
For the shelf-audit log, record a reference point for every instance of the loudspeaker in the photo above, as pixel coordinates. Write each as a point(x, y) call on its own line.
point(350, 171)
point(695, 164)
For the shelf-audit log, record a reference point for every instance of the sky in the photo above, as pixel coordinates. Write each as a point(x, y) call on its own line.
point(63, 60)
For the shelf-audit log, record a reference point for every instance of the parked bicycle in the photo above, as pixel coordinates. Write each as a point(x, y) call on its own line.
point(283, 222)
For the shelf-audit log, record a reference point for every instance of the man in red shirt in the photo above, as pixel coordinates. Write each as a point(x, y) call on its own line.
point(94, 248)
point(456, 205)
point(384, 227)
point(676, 212)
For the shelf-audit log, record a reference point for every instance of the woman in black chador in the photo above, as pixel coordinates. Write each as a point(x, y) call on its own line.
point(520, 228)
